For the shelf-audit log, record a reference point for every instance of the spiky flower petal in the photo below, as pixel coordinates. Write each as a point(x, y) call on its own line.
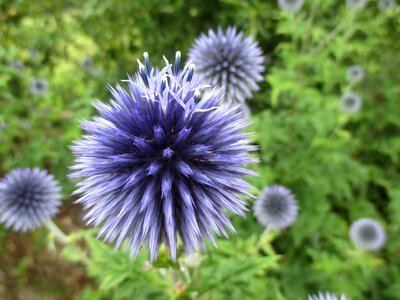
point(29, 198)
point(163, 160)
point(351, 102)
point(327, 296)
point(245, 110)
point(356, 4)
point(290, 5)
point(230, 61)
point(367, 234)
point(276, 207)
point(355, 73)
point(39, 86)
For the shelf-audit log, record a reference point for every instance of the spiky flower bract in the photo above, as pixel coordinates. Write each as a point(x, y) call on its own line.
point(367, 234)
point(290, 5)
point(276, 207)
point(356, 4)
point(355, 73)
point(29, 198)
point(245, 110)
point(351, 102)
point(230, 61)
point(163, 160)
point(39, 86)
point(385, 5)
point(327, 296)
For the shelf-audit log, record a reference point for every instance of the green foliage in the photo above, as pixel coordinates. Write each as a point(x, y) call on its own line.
point(340, 166)
point(234, 269)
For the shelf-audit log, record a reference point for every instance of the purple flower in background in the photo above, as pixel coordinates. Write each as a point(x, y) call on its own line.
point(39, 86)
point(3, 125)
point(163, 160)
point(29, 198)
point(351, 102)
point(356, 4)
point(367, 234)
point(229, 61)
point(355, 73)
point(276, 207)
point(327, 296)
point(290, 5)
point(17, 65)
point(87, 64)
point(385, 5)
point(33, 53)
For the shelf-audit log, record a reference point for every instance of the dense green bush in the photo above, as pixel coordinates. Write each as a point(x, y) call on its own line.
point(340, 166)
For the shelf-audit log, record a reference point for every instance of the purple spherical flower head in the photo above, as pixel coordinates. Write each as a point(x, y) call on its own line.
point(39, 86)
point(385, 5)
point(367, 234)
point(33, 53)
point(230, 61)
point(290, 5)
point(87, 63)
point(29, 198)
point(3, 125)
point(355, 73)
point(327, 296)
point(351, 102)
point(164, 159)
point(356, 4)
point(17, 65)
point(276, 207)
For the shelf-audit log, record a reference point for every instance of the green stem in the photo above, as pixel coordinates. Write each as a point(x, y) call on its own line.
point(57, 232)
point(262, 237)
point(306, 35)
point(335, 32)
point(175, 276)
point(329, 37)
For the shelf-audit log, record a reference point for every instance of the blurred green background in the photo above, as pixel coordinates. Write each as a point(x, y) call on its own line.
point(340, 166)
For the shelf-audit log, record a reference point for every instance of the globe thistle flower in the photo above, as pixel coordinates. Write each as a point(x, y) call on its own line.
point(356, 4)
point(355, 73)
point(17, 65)
point(39, 86)
point(327, 296)
point(3, 125)
point(25, 124)
point(276, 207)
point(367, 234)
point(385, 5)
point(290, 5)
point(163, 160)
point(351, 102)
point(87, 63)
point(230, 61)
point(29, 198)
point(33, 53)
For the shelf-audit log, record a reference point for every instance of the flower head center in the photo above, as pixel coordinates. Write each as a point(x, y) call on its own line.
point(351, 102)
point(368, 233)
point(167, 153)
point(275, 205)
